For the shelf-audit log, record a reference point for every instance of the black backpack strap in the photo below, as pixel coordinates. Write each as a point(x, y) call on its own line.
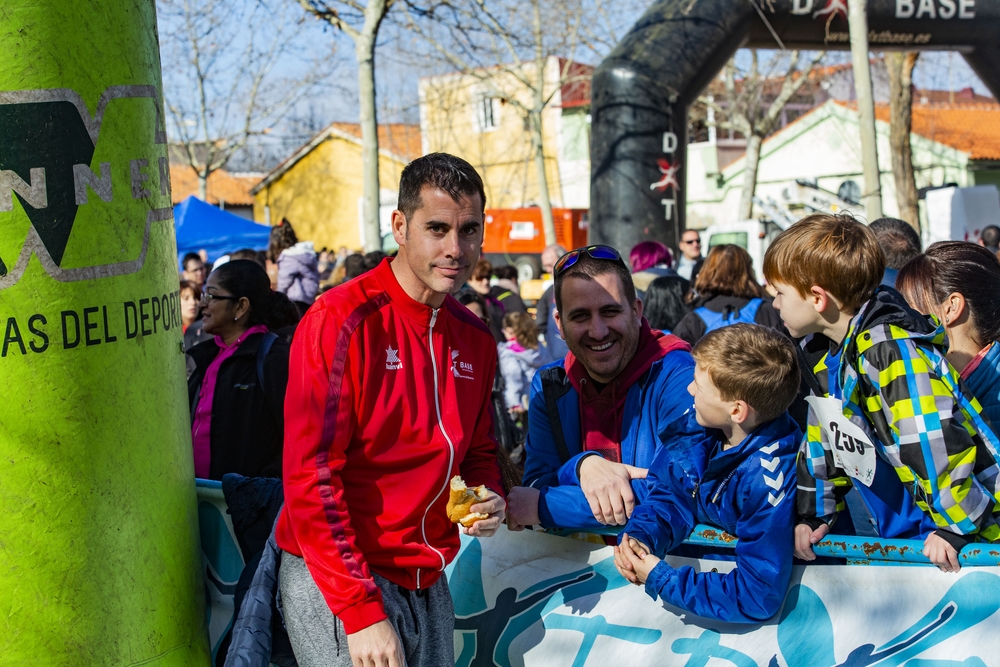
point(262, 350)
point(555, 385)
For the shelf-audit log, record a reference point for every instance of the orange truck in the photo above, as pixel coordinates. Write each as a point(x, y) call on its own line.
point(515, 236)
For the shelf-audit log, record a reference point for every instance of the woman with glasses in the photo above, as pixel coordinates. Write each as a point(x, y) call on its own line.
point(237, 384)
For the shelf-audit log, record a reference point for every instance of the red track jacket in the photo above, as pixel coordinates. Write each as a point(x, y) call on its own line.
point(387, 399)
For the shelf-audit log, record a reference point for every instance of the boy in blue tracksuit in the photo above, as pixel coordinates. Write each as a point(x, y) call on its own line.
point(729, 463)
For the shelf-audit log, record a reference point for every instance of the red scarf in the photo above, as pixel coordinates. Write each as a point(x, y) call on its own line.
point(601, 413)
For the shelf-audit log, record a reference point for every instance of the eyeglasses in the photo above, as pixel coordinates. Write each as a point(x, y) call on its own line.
point(207, 297)
point(604, 252)
point(692, 241)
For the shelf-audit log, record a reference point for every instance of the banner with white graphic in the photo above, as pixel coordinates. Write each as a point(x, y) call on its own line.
point(525, 599)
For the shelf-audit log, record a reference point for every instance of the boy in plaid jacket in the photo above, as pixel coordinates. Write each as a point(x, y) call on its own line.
point(888, 414)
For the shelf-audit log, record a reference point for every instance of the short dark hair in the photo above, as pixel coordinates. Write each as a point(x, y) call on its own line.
point(505, 272)
point(188, 257)
point(898, 239)
point(991, 236)
point(251, 254)
point(354, 266)
point(373, 259)
point(589, 268)
point(442, 171)
point(467, 296)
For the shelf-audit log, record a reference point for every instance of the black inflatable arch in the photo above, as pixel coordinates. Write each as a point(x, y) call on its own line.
point(642, 91)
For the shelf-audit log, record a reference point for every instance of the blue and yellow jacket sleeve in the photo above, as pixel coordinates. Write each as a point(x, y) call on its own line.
point(914, 400)
point(822, 484)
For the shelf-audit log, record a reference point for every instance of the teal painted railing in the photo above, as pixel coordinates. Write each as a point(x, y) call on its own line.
point(857, 550)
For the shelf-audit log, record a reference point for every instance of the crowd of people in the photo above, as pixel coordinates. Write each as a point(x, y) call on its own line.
point(645, 396)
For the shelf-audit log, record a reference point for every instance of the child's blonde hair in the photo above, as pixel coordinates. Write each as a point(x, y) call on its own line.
point(525, 329)
point(752, 363)
point(835, 252)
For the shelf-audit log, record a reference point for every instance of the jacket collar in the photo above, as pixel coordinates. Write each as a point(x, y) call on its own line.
point(721, 462)
point(401, 301)
point(885, 308)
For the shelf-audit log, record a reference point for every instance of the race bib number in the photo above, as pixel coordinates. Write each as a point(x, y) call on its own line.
point(852, 449)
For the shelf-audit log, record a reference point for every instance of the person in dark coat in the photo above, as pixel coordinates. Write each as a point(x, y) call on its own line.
point(479, 283)
point(236, 390)
point(727, 292)
point(507, 291)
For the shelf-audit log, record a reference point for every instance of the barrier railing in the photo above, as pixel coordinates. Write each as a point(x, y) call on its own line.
point(857, 550)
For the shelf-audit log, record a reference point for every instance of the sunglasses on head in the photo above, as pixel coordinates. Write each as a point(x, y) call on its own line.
point(604, 252)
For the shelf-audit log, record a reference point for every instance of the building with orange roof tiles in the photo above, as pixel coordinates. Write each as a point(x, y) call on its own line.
point(952, 144)
point(318, 188)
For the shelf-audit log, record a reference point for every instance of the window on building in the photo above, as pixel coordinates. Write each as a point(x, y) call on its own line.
point(488, 113)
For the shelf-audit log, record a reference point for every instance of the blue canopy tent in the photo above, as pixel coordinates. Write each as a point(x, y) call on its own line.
point(199, 225)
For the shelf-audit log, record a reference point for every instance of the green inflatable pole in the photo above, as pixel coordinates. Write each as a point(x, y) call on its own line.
point(99, 559)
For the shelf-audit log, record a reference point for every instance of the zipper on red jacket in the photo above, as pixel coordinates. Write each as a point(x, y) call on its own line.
point(451, 446)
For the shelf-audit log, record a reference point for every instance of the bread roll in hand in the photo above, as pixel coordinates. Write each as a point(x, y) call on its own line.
point(462, 498)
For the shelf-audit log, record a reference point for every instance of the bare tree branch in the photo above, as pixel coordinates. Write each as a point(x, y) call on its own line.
point(749, 111)
point(234, 70)
point(361, 22)
point(506, 50)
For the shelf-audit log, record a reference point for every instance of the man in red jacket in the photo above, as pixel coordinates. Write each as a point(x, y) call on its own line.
point(388, 398)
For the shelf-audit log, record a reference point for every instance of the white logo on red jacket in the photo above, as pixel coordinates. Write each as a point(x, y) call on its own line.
point(461, 369)
point(392, 362)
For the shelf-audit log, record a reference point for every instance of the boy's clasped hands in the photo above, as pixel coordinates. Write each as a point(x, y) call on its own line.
point(634, 560)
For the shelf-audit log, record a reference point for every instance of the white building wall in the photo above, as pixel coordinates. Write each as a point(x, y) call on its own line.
point(824, 146)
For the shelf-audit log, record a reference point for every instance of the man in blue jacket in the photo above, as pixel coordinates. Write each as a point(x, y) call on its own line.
point(593, 417)
point(729, 463)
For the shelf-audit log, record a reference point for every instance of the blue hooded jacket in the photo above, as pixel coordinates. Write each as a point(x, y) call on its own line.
point(747, 491)
point(659, 398)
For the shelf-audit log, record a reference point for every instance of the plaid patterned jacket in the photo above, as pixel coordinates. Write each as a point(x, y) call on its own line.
point(899, 388)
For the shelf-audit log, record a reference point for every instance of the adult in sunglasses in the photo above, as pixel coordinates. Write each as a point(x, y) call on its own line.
point(689, 261)
point(594, 417)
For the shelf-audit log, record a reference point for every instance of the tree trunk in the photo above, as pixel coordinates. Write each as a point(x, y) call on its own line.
point(751, 162)
point(858, 25)
point(202, 186)
point(365, 52)
point(544, 202)
point(900, 67)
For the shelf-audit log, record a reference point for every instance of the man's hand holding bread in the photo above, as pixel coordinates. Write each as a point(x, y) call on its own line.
point(478, 512)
